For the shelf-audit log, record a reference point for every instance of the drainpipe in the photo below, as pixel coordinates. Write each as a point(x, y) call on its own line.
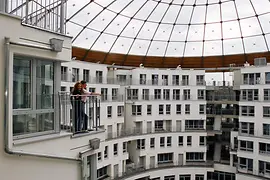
point(8, 150)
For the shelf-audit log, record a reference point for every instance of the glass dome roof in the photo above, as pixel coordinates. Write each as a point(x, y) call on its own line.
point(170, 28)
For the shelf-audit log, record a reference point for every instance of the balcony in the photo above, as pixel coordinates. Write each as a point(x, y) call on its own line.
point(77, 116)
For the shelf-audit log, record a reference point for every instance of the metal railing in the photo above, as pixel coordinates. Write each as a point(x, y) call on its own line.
point(232, 112)
point(221, 97)
point(77, 115)
point(49, 15)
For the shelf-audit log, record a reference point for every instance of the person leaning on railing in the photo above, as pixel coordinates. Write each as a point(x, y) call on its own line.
point(76, 101)
point(85, 94)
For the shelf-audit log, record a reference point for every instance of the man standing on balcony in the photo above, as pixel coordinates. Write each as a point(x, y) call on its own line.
point(86, 94)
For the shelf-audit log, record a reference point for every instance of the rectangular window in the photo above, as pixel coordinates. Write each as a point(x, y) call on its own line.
point(264, 167)
point(75, 75)
point(99, 77)
point(185, 80)
point(120, 111)
point(102, 173)
point(187, 108)
point(99, 156)
point(132, 94)
point(140, 143)
point(136, 110)
point(152, 143)
point(165, 80)
point(200, 80)
point(266, 111)
point(159, 126)
point(109, 111)
point(194, 124)
point(266, 129)
point(175, 80)
point(194, 156)
point(63, 88)
point(180, 141)
point(247, 128)
point(264, 148)
point(169, 177)
point(189, 140)
point(124, 147)
point(106, 152)
point(142, 78)
point(178, 108)
point(246, 164)
point(199, 177)
point(165, 158)
point(154, 79)
point(104, 94)
point(169, 141)
point(92, 90)
point(266, 94)
point(166, 94)
point(168, 109)
point(267, 78)
point(149, 109)
point(250, 95)
point(185, 177)
point(201, 93)
point(186, 94)
point(86, 75)
point(115, 94)
point(64, 74)
point(202, 141)
point(247, 110)
point(246, 145)
point(161, 109)
point(145, 94)
point(157, 93)
point(162, 142)
point(202, 109)
point(176, 94)
point(33, 96)
point(115, 149)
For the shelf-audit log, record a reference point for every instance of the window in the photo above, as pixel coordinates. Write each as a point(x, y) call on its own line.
point(250, 94)
point(266, 94)
point(115, 94)
point(33, 96)
point(75, 75)
point(165, 158)
point(266, 111)
point(102, 173)
point(165, 80)
point(136, 110)
point(266, 129)
point(267, 78)
point(199, 177)
point(115, 149)
point(180, 141)
point(168, 109)
point(194, 156)
point(99, 156)
point(202, 109)
point(149, 109)
point(185, 177)
point(145, 94)
point(154, 79)
point(186, 94)
point(264, 167)
point(166, 94)
point(162, 142)
point(187, 108)
point(124, 147)
point(169, 177)
point(159, 126)
point(247, 110)
point(201, 93)
point(122, 79)
point(247, 128)
point(200, 80)
point(175, 80)
point(152, 143)
point(99, 78)
point(264, 148)
point(185, 80)
point(202, 141)
point(161, 109)
point(132, 94)
point(140, 143)
point(106, 152)
point(157, 93)
point(194, 124)
point(246, 146)
point(92, 90)
point(169, 141)
point(120, 111)
point(142, 78)
point(252, 78)
point(104, 94)
point(176, 94)
point(189, 140)
point(86, 75)
point(64, 73)
point(245, 163)
point(178, 108)
point(109, 111)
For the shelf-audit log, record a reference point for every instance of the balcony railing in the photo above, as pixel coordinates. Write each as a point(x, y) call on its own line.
point(221, 97)
point(232, 112)
point(161, 97)
point(49, 15)
point(77, 116)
